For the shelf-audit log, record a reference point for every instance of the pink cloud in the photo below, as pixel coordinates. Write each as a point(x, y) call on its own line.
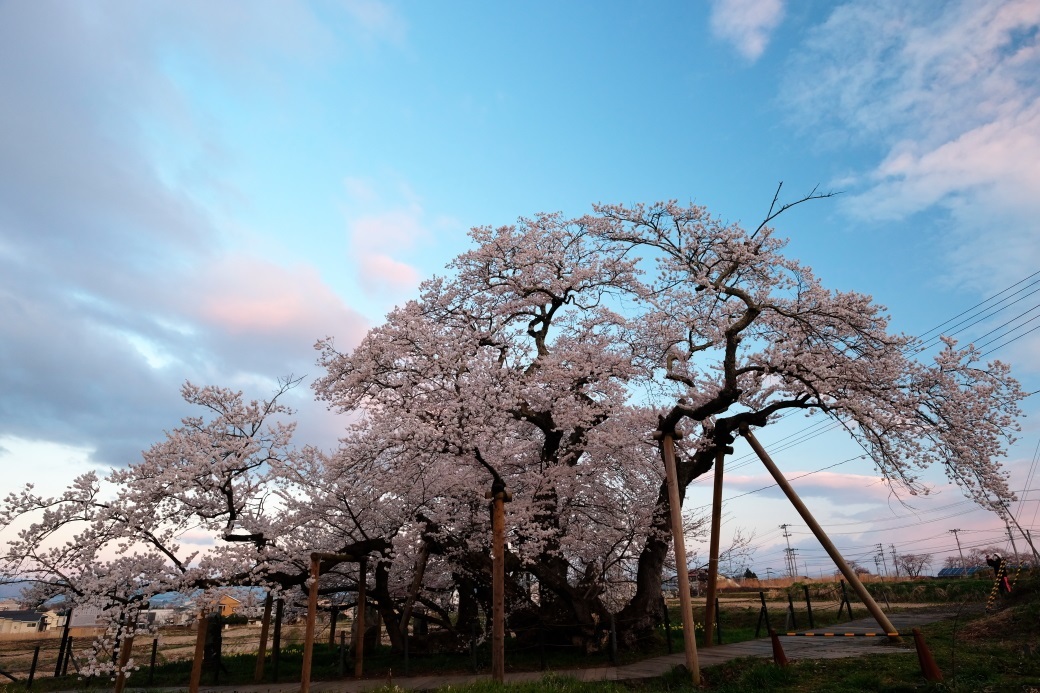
point(241, 294)
point(375, 240)
point(381, 274)
point(834, 486)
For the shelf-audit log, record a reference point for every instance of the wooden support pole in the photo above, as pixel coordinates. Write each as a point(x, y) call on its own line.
point(261, 653)
point(68, 656)
point(333, 618)
point(32, 667)
point(312, 615)
point(359, 646)
point(200, 649)
point(151, 662)
point(124, 655)
point(821, 536)
point(498, 584)
point(64, 642)
point(679, 542)
point(713, 550)
point(276, 643)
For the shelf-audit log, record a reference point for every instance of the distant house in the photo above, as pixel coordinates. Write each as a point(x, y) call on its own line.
point(228, 605)
point(23, 621)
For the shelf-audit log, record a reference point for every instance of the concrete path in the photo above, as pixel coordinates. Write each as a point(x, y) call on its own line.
point(794, 647)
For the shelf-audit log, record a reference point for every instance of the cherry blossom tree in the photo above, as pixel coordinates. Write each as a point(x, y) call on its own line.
point(913, 563)
point(530, 358)
point(113, 543)
point(545, 361)
point(515, 367)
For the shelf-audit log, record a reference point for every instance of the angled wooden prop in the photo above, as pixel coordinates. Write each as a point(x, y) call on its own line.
point(832, 551)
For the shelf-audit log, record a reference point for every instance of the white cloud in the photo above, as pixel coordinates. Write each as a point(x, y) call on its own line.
point(949, 97)
point(747, 24)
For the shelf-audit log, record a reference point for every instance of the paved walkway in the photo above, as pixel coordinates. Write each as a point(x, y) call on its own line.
point(794, 648)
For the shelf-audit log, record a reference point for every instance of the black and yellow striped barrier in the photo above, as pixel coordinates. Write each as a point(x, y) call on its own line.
point(843, 635)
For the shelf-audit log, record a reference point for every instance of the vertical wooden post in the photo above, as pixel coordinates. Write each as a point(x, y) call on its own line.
point(124, 655)
point(498, 584)
point(200, 648)
point(151, 664)
point(64, 642)
point(261, 653)
point(312, 615)
point(276, 645)
point(68, 656)
point(821, 536)
point(333, 617)
point(713, 550)
point(359, 646)
point(679, 542)
point(32, 667)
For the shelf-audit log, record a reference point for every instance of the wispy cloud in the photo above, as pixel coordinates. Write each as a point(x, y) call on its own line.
point(949, 98)
point(747, 24)
point(382, 233)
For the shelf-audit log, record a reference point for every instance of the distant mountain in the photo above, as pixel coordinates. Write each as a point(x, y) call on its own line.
point(12, 590)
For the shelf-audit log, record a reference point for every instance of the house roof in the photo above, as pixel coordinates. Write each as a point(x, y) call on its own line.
point(22, 616)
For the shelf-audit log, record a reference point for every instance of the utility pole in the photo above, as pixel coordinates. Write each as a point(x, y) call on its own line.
point(964, 564)
point(881, 552)
point(790, 563)
point(1012, 538)
point(895, 562)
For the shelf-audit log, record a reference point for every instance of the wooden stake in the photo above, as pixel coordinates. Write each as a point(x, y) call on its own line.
point(498, 588)
point(265, 624)
point(333, 617)
point(200, 649)
point(713, 551)
point(359, 646)
point(124, 657)
point(817, 530)
point(312, 615)
point(679, 541)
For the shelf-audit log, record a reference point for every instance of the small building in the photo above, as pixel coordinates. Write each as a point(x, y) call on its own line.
point(228, 605)
point(19, 621)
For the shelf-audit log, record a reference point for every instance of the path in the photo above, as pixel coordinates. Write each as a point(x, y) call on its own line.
point(794, 648)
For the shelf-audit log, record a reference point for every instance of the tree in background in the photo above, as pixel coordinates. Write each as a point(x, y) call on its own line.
point(913, 564)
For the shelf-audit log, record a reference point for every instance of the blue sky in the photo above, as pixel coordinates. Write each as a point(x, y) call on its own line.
point(199, 190)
